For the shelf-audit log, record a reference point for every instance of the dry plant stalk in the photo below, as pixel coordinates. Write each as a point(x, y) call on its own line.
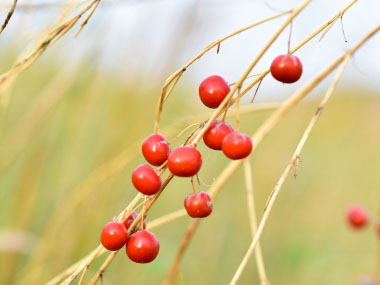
point(253, 221)
point(176, 75)
point(257, 137)
point(343, 61)
point(54, 35)
point(9, 16)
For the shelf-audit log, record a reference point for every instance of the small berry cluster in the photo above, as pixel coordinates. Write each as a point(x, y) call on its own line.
point(358, 218)
point(141, 247)
point(185, 161)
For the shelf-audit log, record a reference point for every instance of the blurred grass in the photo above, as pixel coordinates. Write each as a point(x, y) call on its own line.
point(98, 116)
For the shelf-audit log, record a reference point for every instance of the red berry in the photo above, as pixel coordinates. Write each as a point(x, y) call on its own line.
point(213, 90)
point(155, 149)
point(286, 68)
point(114, 236)
point(216, 133)
point(378, 228)
point(198, 205)
point(128, 222)
point(357, 216)
point(142, 247)
point(184, 161)
point(237, 145)
point(146, 179)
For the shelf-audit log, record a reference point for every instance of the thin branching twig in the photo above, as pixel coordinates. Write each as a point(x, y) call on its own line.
point(9, 16)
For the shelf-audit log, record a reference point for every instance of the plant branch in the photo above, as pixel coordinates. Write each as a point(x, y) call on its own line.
point(253, 222)
point(9, 16)
point(176, 75)
point(288, 169)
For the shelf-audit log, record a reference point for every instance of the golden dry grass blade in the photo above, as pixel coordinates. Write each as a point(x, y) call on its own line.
point(253, 221)
point(49, 40)
point(9, 16)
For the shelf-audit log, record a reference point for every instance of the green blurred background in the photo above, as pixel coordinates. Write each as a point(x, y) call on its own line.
point(70, 138)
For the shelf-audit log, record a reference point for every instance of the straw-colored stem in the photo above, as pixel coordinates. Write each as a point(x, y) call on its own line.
point(9, 16)
point(238, 85)
point(51, 38)
point(103, 268)
point(286, 172)
point(301, 44)
point(176, 75)
point(253, 221)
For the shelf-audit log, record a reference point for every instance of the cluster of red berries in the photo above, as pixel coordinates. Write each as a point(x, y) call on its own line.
point(358, 217)
point(185, 161)
point(141, 247)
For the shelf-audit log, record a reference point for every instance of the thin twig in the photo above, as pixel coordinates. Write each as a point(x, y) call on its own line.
point(88, 17)
point(287, 170)
point(9, 16)
point(51, 38)
point(253, 221)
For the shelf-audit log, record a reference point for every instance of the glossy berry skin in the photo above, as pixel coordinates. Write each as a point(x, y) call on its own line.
point(286, 68)
point(114, 236)
point(198, 205)
point(213, 90)
point(155, 149)
point(142, 247)
point(128, 222)
point(216, 133)
point(146, 180)
point(184, 161)
point(357, 216)
point(237, 146)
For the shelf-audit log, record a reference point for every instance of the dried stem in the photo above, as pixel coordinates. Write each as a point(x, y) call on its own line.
point(181, 251)
point(175, 76)
point(51, 38)
point(238, 85)
point(301, 44)
point(88, 17)
point(291, 164)
point(253, 221)
point(9, 16)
